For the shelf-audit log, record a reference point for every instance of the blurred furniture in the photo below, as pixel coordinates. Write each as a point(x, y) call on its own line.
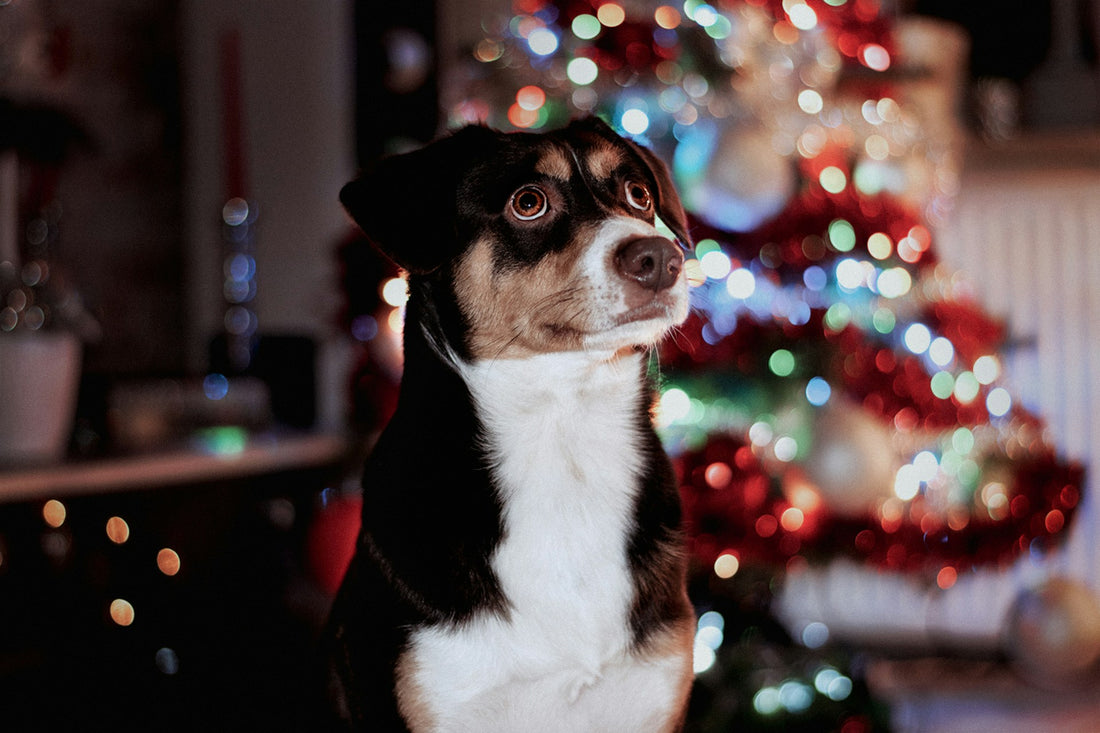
point(41, 372)
point(165, 592)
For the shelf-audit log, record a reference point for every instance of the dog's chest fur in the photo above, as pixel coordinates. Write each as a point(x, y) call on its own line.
point(561, 432)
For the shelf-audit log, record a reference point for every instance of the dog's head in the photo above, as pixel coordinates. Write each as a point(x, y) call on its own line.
point(532, 243)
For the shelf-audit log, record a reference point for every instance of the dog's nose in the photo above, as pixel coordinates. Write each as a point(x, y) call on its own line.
point(652, 262)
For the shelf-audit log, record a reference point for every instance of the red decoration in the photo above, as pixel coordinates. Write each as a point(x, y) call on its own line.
point(331, 542)
point(233, 137)
point(735, 503)
point(972, 331)
point(743, 513)
point(783, 239)
point(851, 26)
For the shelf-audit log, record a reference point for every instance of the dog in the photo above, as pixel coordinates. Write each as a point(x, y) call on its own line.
point(520, 564)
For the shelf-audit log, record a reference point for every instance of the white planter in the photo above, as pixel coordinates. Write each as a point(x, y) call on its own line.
point(39, 377)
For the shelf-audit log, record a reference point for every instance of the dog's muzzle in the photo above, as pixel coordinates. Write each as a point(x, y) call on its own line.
point(652, 262)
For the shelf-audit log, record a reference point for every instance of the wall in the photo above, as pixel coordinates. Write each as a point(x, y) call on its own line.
point(297, 150)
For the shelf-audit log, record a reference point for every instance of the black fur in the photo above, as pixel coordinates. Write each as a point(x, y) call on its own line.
point(431, 514)
point(430, 521)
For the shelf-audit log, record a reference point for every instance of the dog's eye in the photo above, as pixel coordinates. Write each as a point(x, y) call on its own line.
point(637, 195)
point(529, 203)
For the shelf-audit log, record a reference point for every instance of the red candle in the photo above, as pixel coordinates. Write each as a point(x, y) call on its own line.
point(233, 143)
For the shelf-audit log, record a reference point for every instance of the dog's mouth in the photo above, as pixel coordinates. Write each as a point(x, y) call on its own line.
point(660, 313)
point(620, 310)
point(649, 312)
point(641, 326)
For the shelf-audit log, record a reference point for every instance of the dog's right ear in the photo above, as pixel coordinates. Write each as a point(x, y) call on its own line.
point(408, 204)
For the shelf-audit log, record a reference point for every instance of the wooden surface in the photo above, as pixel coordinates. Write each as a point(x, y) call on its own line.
point(260, 455)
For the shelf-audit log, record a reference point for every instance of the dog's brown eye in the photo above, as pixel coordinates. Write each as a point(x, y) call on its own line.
point(637, 195)
point(529, 203)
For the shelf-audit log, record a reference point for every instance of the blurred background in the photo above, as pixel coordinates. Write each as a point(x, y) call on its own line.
point(882, 410)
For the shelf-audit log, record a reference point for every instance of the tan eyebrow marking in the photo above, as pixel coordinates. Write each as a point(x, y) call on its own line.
point(603, 161)
point(555, 164)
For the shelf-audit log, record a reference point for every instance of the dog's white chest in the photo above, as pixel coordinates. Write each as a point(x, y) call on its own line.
point(562, 433)
point(565, 447)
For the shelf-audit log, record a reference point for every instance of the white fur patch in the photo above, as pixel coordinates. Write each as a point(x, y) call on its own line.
point(561, 430)
point(608, 325)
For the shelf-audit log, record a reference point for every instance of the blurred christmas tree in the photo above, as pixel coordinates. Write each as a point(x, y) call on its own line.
point(835, 392)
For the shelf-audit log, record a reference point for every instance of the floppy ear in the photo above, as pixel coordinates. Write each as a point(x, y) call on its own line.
point(669, 207)
point(408, 204)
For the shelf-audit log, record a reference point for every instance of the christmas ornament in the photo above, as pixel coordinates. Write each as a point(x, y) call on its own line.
point(331, 541)
point(732, 175)
point(851, 462)
point(1053, 632)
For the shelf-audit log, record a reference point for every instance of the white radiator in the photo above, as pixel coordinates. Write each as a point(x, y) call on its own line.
point(1029, 241)
point(1026, 235)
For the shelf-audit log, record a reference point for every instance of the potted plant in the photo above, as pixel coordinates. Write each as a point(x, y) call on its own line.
point(42, 322)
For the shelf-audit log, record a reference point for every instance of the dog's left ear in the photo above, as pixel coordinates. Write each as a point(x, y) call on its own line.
point(408, 204)
point(669, 207)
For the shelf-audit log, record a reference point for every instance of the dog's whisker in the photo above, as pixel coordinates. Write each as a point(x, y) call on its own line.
point(677, 335)
point(559, 296)
point(504, 347)
point(577, 313)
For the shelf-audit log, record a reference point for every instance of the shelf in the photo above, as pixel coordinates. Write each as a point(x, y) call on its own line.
point(262, 454)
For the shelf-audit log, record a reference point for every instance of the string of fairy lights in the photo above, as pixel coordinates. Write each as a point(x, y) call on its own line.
point(827, 344)
point(836, 390)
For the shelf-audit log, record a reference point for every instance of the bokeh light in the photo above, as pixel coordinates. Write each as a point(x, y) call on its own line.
point(118, 531)
point(54, 512)
point(543, 41)
point(726, 565)
point(582, 71)
point(611, 14)
point(168, 561)
point(122, 612)
point(586, 27)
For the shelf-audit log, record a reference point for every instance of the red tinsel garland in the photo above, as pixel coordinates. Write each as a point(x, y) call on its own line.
point(733, 505)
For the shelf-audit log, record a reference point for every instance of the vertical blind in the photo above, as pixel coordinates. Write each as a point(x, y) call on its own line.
point(1029, 242)
point(1026, 236)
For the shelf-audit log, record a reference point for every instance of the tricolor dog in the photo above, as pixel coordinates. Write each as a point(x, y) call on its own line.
point(520, 565)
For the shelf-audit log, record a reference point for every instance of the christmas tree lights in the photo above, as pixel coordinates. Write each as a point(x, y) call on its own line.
point(836, 390)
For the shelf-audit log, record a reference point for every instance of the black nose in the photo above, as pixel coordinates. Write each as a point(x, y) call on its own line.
point(652, 262)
